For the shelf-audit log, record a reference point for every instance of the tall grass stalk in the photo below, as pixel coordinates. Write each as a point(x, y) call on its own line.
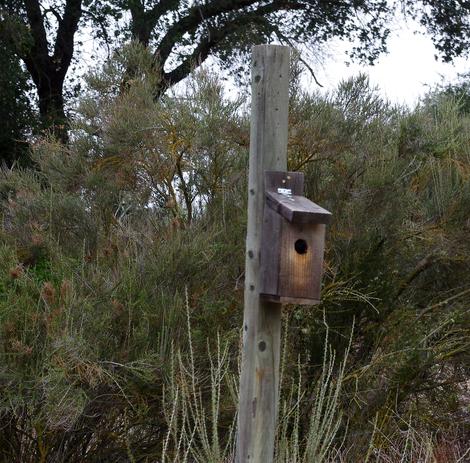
point(195, 399)
point(324, 416)
point(193, 402)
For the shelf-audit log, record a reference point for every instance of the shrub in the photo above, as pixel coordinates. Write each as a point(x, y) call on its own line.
point(116, 240)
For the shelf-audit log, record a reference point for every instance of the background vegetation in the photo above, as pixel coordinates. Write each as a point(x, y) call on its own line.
point(121, 279)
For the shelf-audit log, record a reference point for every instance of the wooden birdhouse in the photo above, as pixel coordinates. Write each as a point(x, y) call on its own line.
point(292, 242)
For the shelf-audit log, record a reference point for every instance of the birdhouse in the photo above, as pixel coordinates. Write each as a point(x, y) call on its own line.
point(292, 242)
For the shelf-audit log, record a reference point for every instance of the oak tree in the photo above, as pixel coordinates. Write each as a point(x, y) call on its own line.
point(184, 33)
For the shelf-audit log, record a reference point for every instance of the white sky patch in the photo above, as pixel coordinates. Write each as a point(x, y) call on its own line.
point(404, 75)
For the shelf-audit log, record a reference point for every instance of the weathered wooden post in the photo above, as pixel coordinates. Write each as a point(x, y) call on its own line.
point(262, 319)
point(284, 253)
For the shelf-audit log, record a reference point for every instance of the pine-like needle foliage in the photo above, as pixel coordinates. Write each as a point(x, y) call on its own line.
point(121, 279)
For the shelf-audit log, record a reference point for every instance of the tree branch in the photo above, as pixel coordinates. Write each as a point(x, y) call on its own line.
point(102, 26)
point(36, 58)
point(143, 22)
point(35, 19)
point(195, 17)
point(63, 48)
point(422, 265)
point(184, 187)
point(56, 14)
point(285, 39)
point(215, 36)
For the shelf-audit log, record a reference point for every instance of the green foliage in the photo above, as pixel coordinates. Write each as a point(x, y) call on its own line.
point(121, 258)
point(16, 113)
point(459, 91)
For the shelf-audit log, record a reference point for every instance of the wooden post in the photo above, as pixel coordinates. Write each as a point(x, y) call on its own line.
point(259, 380)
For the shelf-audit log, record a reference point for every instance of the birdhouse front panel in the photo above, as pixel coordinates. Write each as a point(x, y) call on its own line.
point(301, 259)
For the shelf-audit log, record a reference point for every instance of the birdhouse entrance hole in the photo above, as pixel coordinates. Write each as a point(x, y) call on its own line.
point(301, 246)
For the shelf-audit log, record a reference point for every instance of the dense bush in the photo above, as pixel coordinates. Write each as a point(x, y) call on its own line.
point(121, 279)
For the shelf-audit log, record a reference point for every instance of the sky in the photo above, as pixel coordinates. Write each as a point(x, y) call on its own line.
point(403, 75)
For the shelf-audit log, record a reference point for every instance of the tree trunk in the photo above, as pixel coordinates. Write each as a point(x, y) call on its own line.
point(51, 104)
point(48, 70)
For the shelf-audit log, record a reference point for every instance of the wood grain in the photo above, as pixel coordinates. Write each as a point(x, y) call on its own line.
point(287, 276)
point(300, 274)
point(259, 378)
point(278, 179)
point(297, 209)
point(270, 247)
